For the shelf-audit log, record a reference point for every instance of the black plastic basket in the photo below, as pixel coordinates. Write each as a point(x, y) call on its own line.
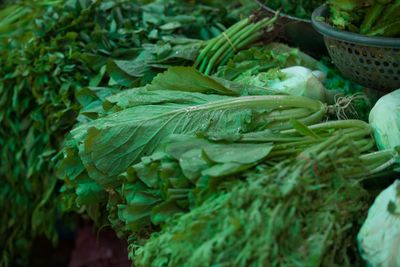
point(370, 61)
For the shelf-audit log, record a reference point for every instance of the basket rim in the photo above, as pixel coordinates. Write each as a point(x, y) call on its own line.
point(286, 15)
point(329, 31)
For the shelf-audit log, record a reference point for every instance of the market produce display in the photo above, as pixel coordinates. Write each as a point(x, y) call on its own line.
point(49, 50)
point(299, 212)
point(370, 17)
point(182, 127)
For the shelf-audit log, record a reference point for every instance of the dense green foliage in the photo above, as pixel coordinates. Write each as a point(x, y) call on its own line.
point(369, 17)
point(49, 50)
point(185, 170)
point(303, 211)
point(157, 151)
point(138, 119)
point(89, 87)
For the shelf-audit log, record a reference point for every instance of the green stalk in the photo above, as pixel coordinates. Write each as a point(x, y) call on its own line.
point(267, 102)
point(372, 15)
point(201, 58)
point(339, 124)
point(378, 158)
point(248, 30)
point(288, 114)
point(296, 147)
point(391, 29)
point(211, 43)
point(304, 143)
point(390, 13)
point(353, 135)
point(241, 39)
point(362, 145)
point(368, 145)
point(243, 42)
point(314, 117)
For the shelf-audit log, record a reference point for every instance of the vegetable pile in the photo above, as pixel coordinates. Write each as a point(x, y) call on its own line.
point(49, 51)
point(299, 212)
point(174, 124)
point(370, 17)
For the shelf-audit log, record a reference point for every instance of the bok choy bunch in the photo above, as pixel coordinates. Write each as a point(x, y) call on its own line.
point(185, 170)
point(126, 165)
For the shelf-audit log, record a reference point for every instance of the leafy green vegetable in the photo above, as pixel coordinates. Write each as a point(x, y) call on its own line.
point(125, 169)
point(369, 17)
point(250, 65)
point(50, 52)
point(385, 122)
point(295, 80)
point(379, 236)
point(136, 131)
point(186, 169)
point(303, 211)
point(206, 56)
point(100, 153)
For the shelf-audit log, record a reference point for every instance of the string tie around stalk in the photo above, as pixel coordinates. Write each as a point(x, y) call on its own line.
point(230, 42)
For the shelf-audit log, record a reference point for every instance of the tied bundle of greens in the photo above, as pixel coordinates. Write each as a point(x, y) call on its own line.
point(220, 49)
point(115, 167)
point(304, 211)
point(370, 17)
point(137, 120)
point(186, 169)
point(206, 56)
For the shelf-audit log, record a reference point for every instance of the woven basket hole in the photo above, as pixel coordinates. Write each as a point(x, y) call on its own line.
point(364, 53)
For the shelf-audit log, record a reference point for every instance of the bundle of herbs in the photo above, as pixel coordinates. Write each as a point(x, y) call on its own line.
point(206, 56)
point(303, 211)
point(49, 50)
point(91, 167)
point(186, 169)
point(370, 17)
